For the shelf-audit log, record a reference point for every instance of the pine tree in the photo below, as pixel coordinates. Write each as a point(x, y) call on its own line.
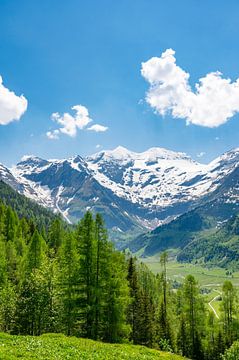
point(36, 253)
point(117, 300)
point(87, 273)
point(134, 307)
point(32, 308)
point(67, 284)
point(55, 235)
point(103, 251)
point(220, 346)
point(164, 327)
point(228, 309)
point(3, 262)
point(182, 339)
point(7, 307)
point(11, 222)
point(194, 313)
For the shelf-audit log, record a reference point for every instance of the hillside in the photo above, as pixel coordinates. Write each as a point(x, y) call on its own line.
point(198, 228)
point(57, 347)
point(25, 207)
point(221, 248)
point(46, 287)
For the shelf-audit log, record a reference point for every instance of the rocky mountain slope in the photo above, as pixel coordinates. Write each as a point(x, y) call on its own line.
point(135, 191)
point(198, 227)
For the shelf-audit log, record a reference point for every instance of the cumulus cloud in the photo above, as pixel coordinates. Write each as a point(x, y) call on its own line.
point(98, 128)
point(12, 107)
point(53, 135)
point(201, 154)
point(70, 124)
point(214, 101)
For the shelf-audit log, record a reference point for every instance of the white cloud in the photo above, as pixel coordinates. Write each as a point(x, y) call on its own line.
point(12, 107)
point(214, 101)
point(70, 124)
point(98, 146)
point(201, 154)
point(53, 135)
point(98, 128)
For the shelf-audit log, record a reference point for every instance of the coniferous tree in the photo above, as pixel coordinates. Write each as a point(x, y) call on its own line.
point(228, 309)
point(7, 307)
point(3, 262)
point(164, 328)
point(87, 273)
point(194, 317)
point(134, 307)
point(182, 338)
point(102, 277)
point(32, 308)
point(68, 284)
point(55, 234)
point(117, 300)
point(35, 256)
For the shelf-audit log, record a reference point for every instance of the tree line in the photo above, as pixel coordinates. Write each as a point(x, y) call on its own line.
point(72, 280)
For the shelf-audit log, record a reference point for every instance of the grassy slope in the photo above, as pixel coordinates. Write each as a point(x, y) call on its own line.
point(57, 347)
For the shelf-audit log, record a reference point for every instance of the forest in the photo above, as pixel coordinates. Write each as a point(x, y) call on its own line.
point(56, 278)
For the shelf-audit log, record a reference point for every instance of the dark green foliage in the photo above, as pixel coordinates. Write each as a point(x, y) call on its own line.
point(60, 279)
point(192, 317)
point(232, 353)
point(220, 247)
point(164, 325)
point(209, 233)
point(229, 305)
point(67, 284)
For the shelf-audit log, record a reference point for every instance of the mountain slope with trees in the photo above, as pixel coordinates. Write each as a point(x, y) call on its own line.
point(221, 248)
point(26, 208)
point(72, 281)
point(204, 228)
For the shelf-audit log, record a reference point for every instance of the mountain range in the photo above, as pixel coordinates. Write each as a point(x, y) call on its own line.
point(136, 192)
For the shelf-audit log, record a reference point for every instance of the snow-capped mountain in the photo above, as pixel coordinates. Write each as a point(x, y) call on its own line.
point(132, 189)
point(159, 177)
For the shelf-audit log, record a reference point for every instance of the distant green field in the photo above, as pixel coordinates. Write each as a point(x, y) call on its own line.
point(207, 277)
point(211, 278)
point(60, 347)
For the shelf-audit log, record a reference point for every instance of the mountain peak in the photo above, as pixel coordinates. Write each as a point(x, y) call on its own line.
point(152, 155)
point(30, 157)
point(120, 153)
point(32, 160)
point(164, 154)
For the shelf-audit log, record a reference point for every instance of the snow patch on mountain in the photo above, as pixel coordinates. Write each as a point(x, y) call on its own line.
point(156, 177)
point(147, 188)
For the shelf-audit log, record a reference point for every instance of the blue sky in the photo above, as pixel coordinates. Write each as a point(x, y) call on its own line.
point(65, 53)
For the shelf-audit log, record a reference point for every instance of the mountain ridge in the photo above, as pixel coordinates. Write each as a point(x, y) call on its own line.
point(143, 190)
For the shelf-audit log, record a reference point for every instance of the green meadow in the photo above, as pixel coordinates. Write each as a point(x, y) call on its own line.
point(60, 347)
point(211, 277)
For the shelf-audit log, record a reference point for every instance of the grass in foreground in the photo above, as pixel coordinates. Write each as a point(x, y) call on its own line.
point(60, 347)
